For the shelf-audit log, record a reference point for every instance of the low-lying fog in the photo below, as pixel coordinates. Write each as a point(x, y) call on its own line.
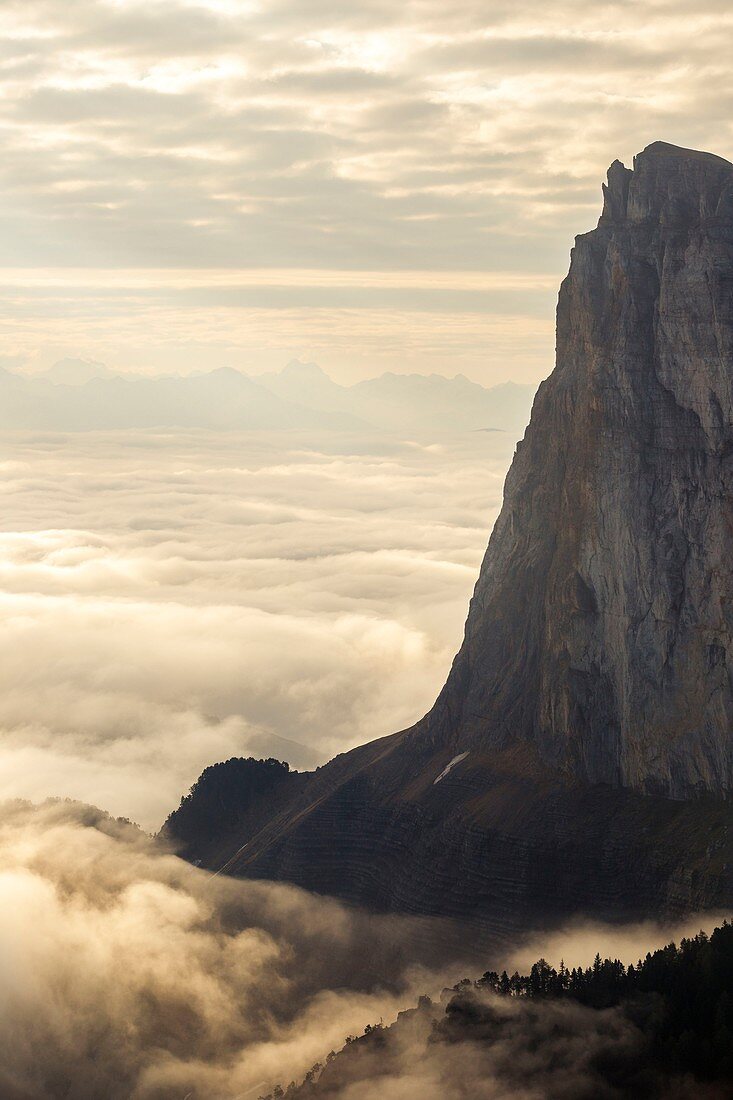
point(170, 600)
point(127, 973)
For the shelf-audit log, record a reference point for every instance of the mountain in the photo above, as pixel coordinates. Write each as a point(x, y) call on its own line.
point(579, 758)
point(75, 372)
point(220, 399)
point(601, 629)
point(82, 395)
point(429, 401)
point(307, 384)
point(408, 402)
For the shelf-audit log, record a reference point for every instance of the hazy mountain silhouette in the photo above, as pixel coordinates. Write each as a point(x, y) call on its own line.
point(408, 401)
point(81, 395)
point(75, 372)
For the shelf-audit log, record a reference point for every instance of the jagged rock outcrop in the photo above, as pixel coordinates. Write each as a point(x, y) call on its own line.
point(589, 712)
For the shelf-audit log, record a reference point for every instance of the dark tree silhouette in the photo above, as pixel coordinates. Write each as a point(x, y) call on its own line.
point(678, 999)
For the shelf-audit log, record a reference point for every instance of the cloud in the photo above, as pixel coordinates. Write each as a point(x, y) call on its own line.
point(499, 1049)
point(173, 600)
point(127, 973)
point(475, 1044)
point(234, 134)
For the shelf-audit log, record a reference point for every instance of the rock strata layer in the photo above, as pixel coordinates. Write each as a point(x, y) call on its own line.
point(584, 739)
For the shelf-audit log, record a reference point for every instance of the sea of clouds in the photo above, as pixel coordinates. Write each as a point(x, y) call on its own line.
point(170, 600)
point(173, 599)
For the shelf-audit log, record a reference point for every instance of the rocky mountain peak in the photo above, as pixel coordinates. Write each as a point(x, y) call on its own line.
point(669, 185)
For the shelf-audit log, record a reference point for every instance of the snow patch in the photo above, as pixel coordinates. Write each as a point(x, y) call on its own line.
point(449, 767)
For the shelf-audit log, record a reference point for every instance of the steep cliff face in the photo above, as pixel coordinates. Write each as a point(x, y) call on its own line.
point(589, 712)
point(600, 629)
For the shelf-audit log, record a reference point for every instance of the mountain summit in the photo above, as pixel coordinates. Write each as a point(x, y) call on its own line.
point(589, 712)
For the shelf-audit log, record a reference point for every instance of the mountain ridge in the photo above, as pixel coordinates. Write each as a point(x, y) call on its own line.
point(80, 395)
point(589, 710)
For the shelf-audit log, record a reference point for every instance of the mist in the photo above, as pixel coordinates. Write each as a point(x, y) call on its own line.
point(129, 973)
point(176, 599)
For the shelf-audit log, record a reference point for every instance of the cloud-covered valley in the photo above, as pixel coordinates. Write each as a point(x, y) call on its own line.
point(170, 600)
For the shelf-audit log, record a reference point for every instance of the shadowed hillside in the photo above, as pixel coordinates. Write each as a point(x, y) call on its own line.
point(662, 1028)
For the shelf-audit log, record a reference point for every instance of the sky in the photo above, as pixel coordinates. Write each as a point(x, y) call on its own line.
point(188, 184)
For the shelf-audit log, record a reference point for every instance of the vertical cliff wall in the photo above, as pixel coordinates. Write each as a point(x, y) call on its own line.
point(600, 629)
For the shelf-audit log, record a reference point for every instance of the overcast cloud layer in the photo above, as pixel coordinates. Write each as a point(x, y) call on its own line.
point(172, 600)
point(376, 186)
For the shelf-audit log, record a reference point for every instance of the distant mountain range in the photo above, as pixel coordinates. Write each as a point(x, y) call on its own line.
point(82, 395)
point(402, 401)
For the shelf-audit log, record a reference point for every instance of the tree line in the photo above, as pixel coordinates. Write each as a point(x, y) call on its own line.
point(680, 998)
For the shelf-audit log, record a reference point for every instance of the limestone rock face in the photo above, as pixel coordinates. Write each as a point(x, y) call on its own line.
point(601, 626)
